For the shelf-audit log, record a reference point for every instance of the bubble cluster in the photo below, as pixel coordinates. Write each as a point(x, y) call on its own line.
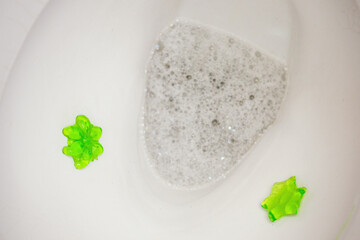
point(209, 96)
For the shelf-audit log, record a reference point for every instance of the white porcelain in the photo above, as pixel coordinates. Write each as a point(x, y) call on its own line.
point(89, 57)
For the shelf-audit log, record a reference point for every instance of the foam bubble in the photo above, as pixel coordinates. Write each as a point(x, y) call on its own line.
point(209, 97)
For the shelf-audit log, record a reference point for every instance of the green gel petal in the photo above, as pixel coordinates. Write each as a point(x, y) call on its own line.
point(87, 155)
point(74, 149)
point(285, 199)
point(72, 132)
point(80, 163)
point(97, 149)
point(83, 123)
point(83, 142)
point(95, 133)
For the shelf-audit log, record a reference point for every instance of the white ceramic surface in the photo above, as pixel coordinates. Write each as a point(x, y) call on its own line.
point(16, 19)
point(89, 56)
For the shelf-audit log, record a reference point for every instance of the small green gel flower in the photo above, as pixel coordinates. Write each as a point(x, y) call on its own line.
point(83, 142)
point(284, 199)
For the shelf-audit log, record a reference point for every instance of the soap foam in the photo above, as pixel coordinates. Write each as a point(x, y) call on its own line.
point(209, 96)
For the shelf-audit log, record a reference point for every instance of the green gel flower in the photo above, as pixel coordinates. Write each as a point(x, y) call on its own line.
point(284, 199)
point(83, 142)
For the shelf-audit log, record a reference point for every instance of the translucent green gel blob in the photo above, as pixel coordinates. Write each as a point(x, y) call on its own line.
point(83, 142)
point(284, 199)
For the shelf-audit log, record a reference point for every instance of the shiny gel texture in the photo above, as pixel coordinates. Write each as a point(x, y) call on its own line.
point(83, 142)
point(284, 199)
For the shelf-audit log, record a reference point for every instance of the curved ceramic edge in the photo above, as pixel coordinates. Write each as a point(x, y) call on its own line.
point(16, 20)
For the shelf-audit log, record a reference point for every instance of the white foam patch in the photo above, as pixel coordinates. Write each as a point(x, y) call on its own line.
point(209, 97)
